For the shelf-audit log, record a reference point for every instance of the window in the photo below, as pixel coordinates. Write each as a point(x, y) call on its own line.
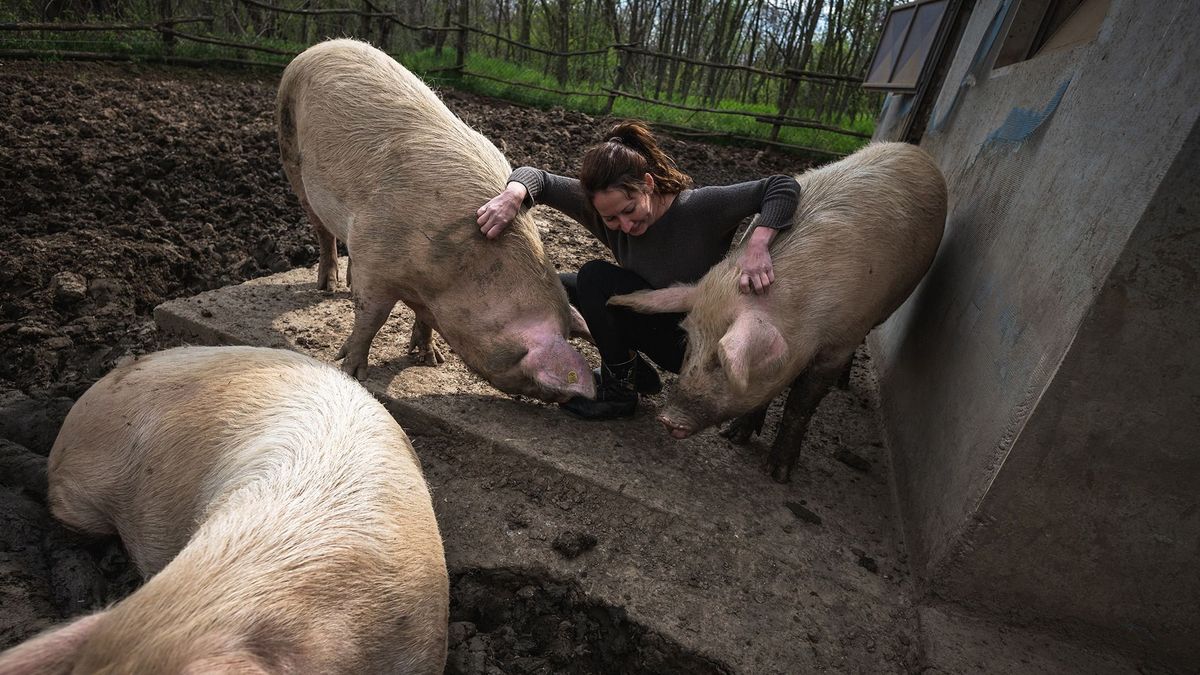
point(1041, 26)
point(907, 40)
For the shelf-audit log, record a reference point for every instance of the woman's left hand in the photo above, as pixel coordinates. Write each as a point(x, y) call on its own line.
point(755, 271)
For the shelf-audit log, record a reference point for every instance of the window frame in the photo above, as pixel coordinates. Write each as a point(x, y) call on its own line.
point(934, 46)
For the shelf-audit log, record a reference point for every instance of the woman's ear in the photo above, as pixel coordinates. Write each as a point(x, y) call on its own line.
point(649, 181)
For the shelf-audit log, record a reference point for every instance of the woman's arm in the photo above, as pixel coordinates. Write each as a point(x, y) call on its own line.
point(774, 199)
point(500, 210)
point(757, 272)
point(528, 186)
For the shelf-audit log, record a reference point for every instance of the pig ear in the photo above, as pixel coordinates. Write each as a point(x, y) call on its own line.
point(752, 343)
point(664, 300)
point(579, 327)
point(51, 652)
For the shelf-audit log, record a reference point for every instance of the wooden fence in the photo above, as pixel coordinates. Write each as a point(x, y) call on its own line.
point(618, 71)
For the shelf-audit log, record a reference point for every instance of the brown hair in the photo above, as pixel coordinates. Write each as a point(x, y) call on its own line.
point(628, 153)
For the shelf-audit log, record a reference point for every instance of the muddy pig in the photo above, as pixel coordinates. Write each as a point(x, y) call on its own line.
point(865, 232)
point(276, 508)
point(379, 162)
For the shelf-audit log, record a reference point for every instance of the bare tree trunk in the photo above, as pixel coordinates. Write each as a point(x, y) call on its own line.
point(664, 68)
point(304, 23)
point(526, 20)
point(439, 38)
point(464, 18)
point(164, 10)
point(752, 53)
point(564, 40)
point(364, 24)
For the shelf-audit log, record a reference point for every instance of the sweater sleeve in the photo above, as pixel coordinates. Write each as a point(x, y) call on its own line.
point(774, 198)
point(558, 192)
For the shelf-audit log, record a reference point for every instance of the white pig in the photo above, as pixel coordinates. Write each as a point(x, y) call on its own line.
point(865, 232)
point(379, 162)
point(277, 509)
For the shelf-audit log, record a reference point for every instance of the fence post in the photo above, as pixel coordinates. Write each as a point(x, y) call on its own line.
point(619, 80)
point(168, 35)
point(464, 15)
point(785, 104)
point(364, 26)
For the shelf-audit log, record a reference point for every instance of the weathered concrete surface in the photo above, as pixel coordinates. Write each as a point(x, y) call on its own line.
point(1100, 495)
point(955, 642)
point(691, 538)
point(1039, 389)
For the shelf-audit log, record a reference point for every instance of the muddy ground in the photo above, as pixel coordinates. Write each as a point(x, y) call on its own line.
point(124, 186)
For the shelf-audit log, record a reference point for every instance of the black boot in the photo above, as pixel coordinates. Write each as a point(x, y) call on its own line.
point(615, 396)
point(645, 377)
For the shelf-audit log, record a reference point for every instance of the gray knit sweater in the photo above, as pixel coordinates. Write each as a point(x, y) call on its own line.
point(692, 236)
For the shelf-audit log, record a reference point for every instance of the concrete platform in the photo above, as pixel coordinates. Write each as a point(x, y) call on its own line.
point(691, 538)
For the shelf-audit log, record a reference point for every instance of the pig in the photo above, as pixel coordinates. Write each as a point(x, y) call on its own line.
point(865, 232)
point(276, 508)
point(379, 162)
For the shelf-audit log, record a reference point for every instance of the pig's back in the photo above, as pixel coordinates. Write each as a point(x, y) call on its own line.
point(370, 133)
point(866, 230)
point(269, 495)
point(156, 443)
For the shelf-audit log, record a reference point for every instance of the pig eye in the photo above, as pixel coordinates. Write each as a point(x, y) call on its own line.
point(504, 357)
point(713, 363)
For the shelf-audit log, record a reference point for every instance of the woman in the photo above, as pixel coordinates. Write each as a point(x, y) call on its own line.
point(636, 202)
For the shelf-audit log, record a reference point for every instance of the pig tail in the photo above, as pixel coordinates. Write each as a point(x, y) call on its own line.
point(622, 160)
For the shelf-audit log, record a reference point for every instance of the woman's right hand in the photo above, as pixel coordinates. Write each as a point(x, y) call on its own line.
point(500, 210)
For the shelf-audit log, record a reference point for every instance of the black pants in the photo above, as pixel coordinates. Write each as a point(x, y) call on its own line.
point(619, 330)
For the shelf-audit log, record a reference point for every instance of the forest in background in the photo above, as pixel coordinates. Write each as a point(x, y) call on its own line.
point(779, 71)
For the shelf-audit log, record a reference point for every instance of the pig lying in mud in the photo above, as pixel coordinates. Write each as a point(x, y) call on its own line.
point(277, 509)
point(378, 161)
point(865, 232)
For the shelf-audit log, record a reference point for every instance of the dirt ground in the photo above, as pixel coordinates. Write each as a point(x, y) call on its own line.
point(124, 186)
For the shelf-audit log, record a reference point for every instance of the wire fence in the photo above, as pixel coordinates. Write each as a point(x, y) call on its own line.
point(810, 112)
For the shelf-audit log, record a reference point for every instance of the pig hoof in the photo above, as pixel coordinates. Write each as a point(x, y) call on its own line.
point(779, 474)
point(779, 466)
point(428, 355)
point(353, 366)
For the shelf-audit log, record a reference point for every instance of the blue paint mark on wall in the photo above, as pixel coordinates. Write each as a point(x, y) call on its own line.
point(1021, 122)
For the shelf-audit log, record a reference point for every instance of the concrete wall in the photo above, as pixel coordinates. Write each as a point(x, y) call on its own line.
point(971, 367)
point(1096, 513)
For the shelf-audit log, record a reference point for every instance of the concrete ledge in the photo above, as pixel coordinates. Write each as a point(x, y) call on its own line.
point(691, 538)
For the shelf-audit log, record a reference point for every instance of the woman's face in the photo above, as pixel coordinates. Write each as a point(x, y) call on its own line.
point(630, 212)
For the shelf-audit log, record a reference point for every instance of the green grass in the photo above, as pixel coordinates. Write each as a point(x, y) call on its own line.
point(739, 125)
point(427, 62)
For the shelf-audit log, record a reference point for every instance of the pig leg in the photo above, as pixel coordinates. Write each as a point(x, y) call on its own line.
point(327, 252)
point(421, 347)
point(371, 311)
point(326, 242)
point(741, 429)
point(802, 401)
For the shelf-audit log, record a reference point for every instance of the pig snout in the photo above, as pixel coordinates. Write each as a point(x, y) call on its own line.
point(559, 371)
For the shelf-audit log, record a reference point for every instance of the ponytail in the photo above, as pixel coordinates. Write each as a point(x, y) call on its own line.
point(622, 160)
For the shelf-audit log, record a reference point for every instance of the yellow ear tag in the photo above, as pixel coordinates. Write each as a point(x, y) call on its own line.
point(572, 377)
